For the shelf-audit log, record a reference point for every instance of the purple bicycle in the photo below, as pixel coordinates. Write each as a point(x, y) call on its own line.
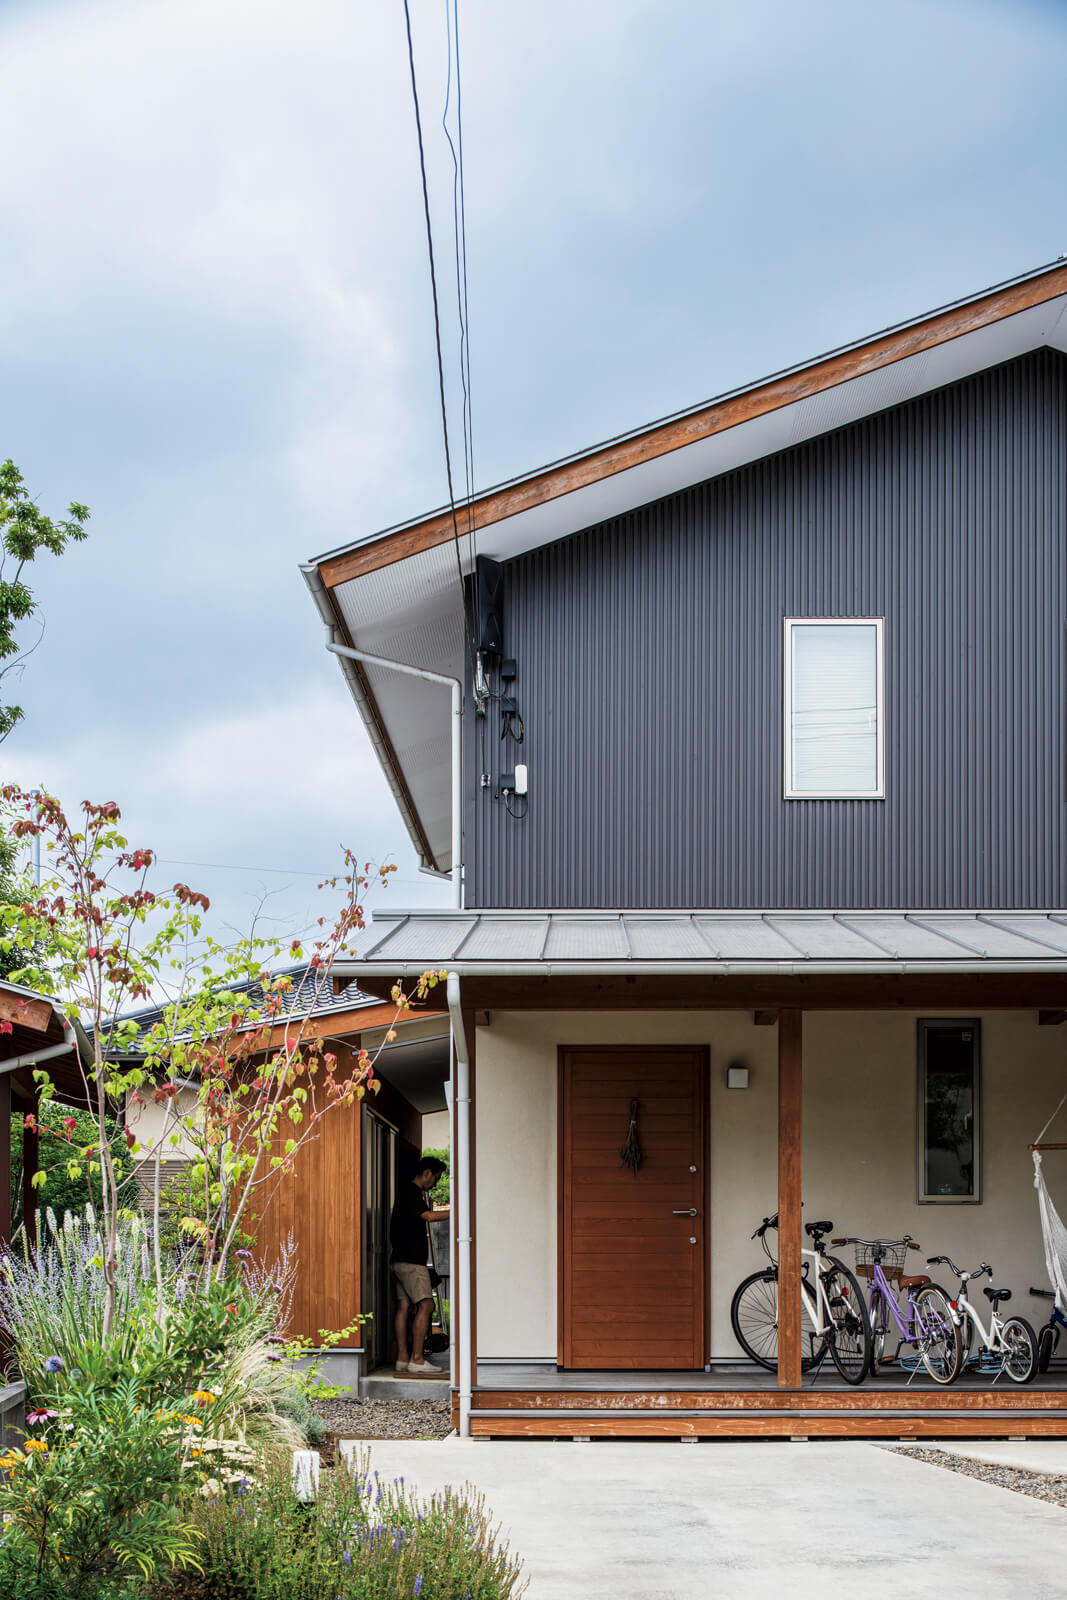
point(925, 1322)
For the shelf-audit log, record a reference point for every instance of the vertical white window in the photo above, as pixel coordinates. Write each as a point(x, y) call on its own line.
point(834, 716)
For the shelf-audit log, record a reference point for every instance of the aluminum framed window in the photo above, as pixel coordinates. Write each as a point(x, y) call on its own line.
point(834, 708)
point(949, 1111)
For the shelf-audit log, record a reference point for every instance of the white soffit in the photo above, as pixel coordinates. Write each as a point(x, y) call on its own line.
point(411, 610)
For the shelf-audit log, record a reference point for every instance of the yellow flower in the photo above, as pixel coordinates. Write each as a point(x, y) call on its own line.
point(195, 1453)
point(193, 1422)
point(204, 1396)
point(36, 1444)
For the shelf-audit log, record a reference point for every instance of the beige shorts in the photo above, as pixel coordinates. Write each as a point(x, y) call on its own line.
point(414, 1282)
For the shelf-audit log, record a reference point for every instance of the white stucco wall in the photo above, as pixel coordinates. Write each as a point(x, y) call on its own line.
point(436, 1130)
point(150, 1122)
point(860, 1096)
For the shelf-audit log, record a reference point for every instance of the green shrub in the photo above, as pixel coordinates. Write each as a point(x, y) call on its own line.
point(361, 1539)
point(95, 1490)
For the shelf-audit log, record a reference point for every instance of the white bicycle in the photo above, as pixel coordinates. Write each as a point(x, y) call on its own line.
point(1009, 1345)
point(834, 1316)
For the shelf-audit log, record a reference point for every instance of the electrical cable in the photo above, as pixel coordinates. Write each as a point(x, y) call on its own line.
point(459, 226)
point(437, 340)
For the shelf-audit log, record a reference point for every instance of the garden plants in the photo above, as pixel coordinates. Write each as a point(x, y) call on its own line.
point(360, 1539)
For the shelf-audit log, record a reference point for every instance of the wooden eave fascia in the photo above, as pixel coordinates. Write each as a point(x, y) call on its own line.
point(340, 1024)
point(25, 1012)
point(691, 427)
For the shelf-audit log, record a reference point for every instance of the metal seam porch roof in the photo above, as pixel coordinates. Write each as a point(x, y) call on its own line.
point(513, 943)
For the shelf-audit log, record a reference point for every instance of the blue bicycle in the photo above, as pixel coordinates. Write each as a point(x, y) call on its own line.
point(1048, 1340)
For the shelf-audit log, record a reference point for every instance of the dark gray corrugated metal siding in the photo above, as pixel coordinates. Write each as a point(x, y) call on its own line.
point(650, 674)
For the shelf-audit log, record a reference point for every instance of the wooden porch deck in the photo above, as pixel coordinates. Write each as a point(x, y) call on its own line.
point(538, 1402)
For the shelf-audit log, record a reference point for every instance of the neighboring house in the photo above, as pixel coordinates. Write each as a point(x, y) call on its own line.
point(784, 680)
point(336, 1202)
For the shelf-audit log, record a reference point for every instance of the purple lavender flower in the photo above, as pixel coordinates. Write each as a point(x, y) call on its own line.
point(244, 1255)
point(53, 1364)
point(347, 1558)
point(418, 1586)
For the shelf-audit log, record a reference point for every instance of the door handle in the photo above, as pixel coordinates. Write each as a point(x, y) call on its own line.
point(690, 1211)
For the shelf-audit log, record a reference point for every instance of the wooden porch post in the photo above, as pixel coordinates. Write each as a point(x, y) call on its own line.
point(5, 1158)
point(789, 1191)
point(29, 1167)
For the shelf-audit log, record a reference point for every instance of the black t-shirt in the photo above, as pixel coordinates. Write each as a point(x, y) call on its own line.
point(407, 1230)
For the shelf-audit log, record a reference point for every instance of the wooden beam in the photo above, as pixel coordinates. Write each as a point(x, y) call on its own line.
point(923, 992)
point(867, 1398)
point(1051, 1019)
point(717, 417)
point(741, 1425)
point(346, 1024)
point(764, 1019)
point(790, 1090)
point(32, 1014)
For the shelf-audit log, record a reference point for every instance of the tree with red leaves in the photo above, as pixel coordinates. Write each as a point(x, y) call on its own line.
point(242, 1040)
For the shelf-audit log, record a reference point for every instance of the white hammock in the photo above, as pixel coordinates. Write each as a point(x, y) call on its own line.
point(1053, 1227)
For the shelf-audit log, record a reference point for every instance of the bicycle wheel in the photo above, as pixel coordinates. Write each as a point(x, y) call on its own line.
point(877, 1318)
point(1046, 1343)
point(940, 1345)
point(1020, 1350)
point(754, 1318)
point(849, 1338)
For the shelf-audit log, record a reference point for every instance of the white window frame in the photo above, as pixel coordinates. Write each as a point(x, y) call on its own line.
point(878, 792)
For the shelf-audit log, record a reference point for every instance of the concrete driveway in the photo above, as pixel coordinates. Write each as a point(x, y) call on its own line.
point(736, 1520)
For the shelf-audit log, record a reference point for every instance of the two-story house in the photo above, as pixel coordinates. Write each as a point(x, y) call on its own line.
point(744, 740)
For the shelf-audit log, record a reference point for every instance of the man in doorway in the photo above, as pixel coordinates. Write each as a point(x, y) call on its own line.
point(410, 1251)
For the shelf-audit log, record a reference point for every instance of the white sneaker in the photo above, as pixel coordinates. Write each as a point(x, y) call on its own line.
point(424, 1368)
point(402, 1366)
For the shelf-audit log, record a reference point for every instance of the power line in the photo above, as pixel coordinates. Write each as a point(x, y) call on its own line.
point(437, 337)
point(459, 225)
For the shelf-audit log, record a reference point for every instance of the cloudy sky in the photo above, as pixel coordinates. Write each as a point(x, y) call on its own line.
point(215, 322)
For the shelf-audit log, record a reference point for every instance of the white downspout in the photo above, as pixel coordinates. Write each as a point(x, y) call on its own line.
point(461, 1100)
point(456, 687)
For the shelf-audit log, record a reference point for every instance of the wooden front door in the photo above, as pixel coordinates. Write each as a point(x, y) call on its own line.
point(633, 1249)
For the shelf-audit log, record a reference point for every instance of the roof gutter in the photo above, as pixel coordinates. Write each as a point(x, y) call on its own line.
point(33, 1057)
point(369, 713)
point(348, 652)
point(694, 969)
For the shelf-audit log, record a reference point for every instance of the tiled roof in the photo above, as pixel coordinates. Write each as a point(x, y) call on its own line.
point(300, 1000)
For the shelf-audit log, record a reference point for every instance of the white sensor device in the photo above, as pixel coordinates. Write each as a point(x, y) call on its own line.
point(521, 783)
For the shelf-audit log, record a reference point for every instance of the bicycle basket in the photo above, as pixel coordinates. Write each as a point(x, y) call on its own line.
point(889, 1254)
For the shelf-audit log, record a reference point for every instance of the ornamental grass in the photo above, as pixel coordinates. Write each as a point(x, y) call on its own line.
point(362, 1538)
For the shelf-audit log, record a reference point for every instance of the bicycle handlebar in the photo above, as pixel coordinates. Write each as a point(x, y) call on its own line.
point(908, 1242)
point(1042, 1294)
point(964, 1277)
point(768, 1222)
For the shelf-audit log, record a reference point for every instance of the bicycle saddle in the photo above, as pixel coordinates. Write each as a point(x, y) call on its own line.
point(814, 1228)
point(996, 1295)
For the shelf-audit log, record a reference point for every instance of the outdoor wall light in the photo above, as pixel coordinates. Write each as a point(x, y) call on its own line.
point(736, 1076)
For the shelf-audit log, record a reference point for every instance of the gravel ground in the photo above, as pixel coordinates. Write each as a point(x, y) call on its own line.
point(1048, 1486)
point(386, 1419)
